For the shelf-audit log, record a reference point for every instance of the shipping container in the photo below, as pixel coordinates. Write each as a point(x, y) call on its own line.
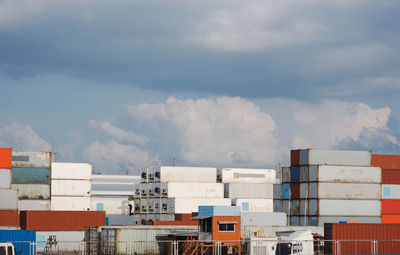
point(9, 218)
point(277, 191)
point(344, 174)
point(115, 219)
point(21, 239)
point(245, 190)
point(270, 231)
point(192, 189)
point(210, 210)
point(294, 174)
point(286, 206)
point(356, 238)
point(255, 205)
point(390, 206)
point(386, 161)
point(185, 174)
point(278, 205)
point(30, 175)
point(390, 191)
point(34, 205)
point(71, 171)
point(391, 218)
point(70, 188)
point(295, 157)
point(61, 220)
point(32, 191)
point(358, 191)
point(295, 190)
point(176, 223)
point(5, 158)
point(390, 176)
point(286, 190)
point(304, 170)
point(68, 242)
point(70, 203)
point(112, 205)
point(8, 199)
point(349, 207)
point(335, 157)
point(5, 178)
point(285, 174)
point(321, 220)
point(241, 175)
point(31, 159)
point(263, 219)
point(189, 205)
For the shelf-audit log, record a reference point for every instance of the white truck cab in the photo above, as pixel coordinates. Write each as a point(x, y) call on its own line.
point(7, 249)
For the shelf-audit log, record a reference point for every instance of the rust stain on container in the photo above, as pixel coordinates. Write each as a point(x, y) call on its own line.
point(61, 220)
point(386, 161)
point(355, 238)
point(9, 218)
point(5, 157)
point(295, 157)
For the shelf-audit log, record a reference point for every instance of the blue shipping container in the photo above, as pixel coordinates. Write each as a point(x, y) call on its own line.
point(21, 239)
point(286, 191)
point(30, 175)
point(294, 174)
point(219, 210)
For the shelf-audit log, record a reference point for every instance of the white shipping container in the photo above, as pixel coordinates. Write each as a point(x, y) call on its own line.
point(349, 207)
point(112, 205)
point(245, 190)
point(63, 203)
point(255, 205)
point(285, 174)
point(31, 159)
point(187, 174)
point(193, 189)
point(320, 221)
point(335, 157)
point(34, 205)
point(8, 199)
point(390, 191)
point(71, 171)
point(71, 188)
point(242, 175)
point(263, 219)
point(189, 205)
point(5, 178)
point(67, 241)
point(351, 174)
point(358, 191)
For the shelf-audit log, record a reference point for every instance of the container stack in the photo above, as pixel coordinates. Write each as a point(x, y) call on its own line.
point(71, 186)
point(9, 215)
point(31, 173)
point(331, 186)
point(251, 189)
point(390, 165)
point(166, 191)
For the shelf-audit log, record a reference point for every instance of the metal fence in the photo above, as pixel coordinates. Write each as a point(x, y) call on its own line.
point(256, 246)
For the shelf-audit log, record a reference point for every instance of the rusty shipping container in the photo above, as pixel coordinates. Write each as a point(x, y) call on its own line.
point(295, 157)
point(295, 190)
point(9, 218)
point(61, 220)
point(31, 159)
point(26, 175)
point(5, 157)
point(357, 238)
point(386, 161)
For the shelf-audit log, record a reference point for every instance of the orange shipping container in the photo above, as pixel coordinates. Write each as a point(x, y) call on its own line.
point(390, 218)
point(9, 218)
point(386, 161)
point(390, 206)
point(5, 157)
point(61, 220)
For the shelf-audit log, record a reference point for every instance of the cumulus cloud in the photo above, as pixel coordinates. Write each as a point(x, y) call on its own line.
point(22, 137)
point(114, 157)
point(116, 133)
point(221, 131)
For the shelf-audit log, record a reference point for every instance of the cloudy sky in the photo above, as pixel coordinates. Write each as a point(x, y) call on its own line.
point(130, 83)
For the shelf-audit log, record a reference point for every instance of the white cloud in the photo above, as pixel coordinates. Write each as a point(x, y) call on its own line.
point(22, 137)
point(114, 157)
point(221, 131)
point(119, 134)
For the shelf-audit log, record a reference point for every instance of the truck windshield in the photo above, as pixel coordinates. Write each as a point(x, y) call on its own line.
point(283, 249)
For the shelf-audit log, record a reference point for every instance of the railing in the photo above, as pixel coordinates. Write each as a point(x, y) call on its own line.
point(254, 246)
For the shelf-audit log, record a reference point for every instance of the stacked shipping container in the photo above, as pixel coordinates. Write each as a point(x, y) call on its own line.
point(71, 186)
point(390, 165)
point(330, 186)
point(31, 173)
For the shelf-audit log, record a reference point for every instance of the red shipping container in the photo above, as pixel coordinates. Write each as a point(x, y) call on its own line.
point(357, 238)
point(5, 157)
point(390, 206)
point(61, 220)
point(390, 218)
point(386, 161)
point(390, 176)
point(176, 223)
point(295, 190)
point(183, 216)
point(9, 218)
point(295, 157)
